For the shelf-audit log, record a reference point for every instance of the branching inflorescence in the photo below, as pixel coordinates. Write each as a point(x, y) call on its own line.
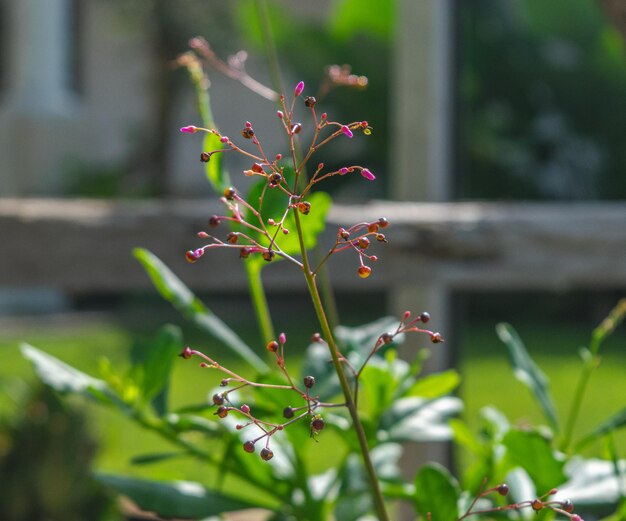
point(252, 232)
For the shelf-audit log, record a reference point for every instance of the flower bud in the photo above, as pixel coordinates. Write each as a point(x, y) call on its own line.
point(346, 130)
point(245, 408)
point(189, 129)
point(282, 338)
point(368, 175)
point(299, 88)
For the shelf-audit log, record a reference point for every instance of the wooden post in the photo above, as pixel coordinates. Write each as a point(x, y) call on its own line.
point(421, 162)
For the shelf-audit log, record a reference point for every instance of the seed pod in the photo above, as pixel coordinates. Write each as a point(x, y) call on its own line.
point(503, 489)
point(386, 338)
point(232, 238)
point(317, 424)
point(257, 168)
point(364, 271)
point(304, 207)
point(186, 353)
point(364, 243)
point(205, 157)
point(372, 227)
point(383, 222)
point(309, 381)
point(296, 128)
point(247, 133)
point(424, 317)
point(316, 337)
point(244, 252)
point(229, 193)
point(248, 446)
point(266, 454)
point(537, 505)
point(272, 346)
point(381, 238)
point(288, 412)
point(191, 256)
point(218, 399)
point(310, 101)
point(245, 408)
point(222, 412)
point(568, 506)
point(268, 255)
point(345, 234)
point(436, 338)
point(275, 179)
point(214, 221)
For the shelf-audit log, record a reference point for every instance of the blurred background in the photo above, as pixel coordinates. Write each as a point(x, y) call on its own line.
point(504, 119)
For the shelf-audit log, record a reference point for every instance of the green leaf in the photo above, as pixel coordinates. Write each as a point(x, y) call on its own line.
point(174, 499)
point(435, 385)
point(463, 436)
point(153, 361)
point(216, 174)
point(437, 492)
point(180, 296)
point(593, 482)
point(371, 17)
point(527, 372)
point(417, 419)
point(148, 459)
point(617, 421)
point(68, 380)
point(531, 451)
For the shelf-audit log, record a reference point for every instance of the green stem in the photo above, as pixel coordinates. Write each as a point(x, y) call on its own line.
point(270, 47)
point(259, 302)
point(379, 502)
point(579, 393)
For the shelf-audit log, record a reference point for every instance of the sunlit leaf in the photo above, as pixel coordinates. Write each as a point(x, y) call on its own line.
point(527, 372)
point(437, 492)
point(180, 296)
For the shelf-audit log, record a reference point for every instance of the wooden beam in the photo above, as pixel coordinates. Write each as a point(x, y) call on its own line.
point(83, 246)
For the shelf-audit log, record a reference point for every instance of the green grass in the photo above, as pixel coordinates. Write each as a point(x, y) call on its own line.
point(487, 380)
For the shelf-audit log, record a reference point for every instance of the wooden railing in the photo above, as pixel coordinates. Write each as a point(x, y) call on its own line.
point(85, 246)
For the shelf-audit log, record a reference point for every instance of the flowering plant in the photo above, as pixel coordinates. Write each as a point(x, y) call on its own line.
point(352, 387)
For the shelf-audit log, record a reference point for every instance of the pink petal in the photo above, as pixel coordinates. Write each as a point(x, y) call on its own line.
point(189, 129)
point(368, 175)
point(299, 89)
point(346, 130)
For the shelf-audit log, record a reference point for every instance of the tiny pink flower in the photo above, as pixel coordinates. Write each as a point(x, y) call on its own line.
point(299, 88)
point(280, 114)
point(368, 175)
point(282, 338)
point(224, 139)
point(189, 129)
point(343, 171)
point(346, 130)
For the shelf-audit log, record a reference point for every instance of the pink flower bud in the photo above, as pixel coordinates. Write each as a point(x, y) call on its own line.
point(224, 139)
point(343, 171)
point(299, 88)
point(245, 408)
point(280, 114)
point(282, 338)
point(189, 129)
point(576, 517)
point(368, 175)
point(346, 130)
